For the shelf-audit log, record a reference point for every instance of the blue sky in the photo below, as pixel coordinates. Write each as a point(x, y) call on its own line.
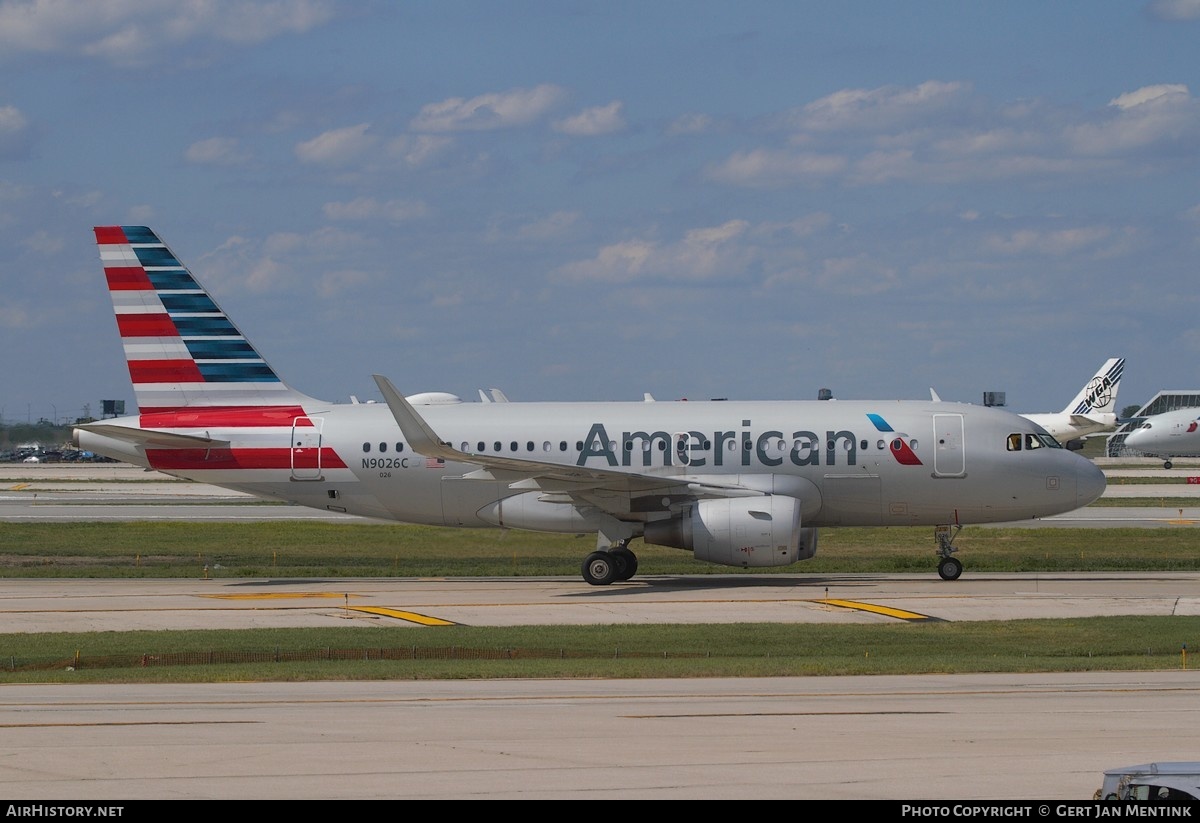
point(593, 200)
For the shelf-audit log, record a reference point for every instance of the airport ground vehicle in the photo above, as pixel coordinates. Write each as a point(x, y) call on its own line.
point(1162, 782)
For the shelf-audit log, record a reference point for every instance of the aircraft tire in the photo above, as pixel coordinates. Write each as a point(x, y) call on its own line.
point(599, 568)
point(626, 562)
point(1166, 464)
point(950, 568)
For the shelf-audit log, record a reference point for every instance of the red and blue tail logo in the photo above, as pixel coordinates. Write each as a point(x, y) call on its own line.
point(182, 350)
point(899, 445)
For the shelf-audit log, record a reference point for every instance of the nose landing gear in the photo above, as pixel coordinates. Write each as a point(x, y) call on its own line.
point(949, 567)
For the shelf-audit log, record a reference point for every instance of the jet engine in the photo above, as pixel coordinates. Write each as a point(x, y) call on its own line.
point(742, 531)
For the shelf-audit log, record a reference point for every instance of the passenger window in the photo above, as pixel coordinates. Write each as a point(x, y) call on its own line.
point(496, 446)
point(399, 447)
point(366, 448)
point(562, 445)
point(382, 448)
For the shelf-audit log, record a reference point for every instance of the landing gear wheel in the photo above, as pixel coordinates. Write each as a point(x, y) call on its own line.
point(950, 568)
point(625, 561)
point(599, 568)
point(1166, 464)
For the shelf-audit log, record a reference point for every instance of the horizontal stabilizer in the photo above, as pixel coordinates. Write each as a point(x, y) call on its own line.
point(152, 437)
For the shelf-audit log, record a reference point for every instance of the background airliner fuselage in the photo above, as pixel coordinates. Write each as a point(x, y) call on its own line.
point(1170, 434)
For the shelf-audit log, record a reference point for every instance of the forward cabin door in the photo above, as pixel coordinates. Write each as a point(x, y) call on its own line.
point(949, 459)
point(306, 448)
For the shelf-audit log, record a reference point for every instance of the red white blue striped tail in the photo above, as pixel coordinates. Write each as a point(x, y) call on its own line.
point(182, 350)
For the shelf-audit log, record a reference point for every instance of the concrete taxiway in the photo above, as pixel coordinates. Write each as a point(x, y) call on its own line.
point(951, 738)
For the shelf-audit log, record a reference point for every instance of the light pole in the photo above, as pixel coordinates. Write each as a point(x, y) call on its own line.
point(54, 422)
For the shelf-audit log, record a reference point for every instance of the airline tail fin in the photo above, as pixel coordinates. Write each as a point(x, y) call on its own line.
point(182, 350)
point(1099, 395)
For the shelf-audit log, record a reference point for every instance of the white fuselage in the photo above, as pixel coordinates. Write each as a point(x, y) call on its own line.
point(849, 463)
point(1170, 434)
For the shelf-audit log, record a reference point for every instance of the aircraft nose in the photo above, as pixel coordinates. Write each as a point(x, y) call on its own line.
point(1089, 482)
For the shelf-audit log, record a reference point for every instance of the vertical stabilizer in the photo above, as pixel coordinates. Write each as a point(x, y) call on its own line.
point(1099, 395)
point(182, 350)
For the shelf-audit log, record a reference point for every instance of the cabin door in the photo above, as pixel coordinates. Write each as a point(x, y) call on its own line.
point(306, 448)
point(948, 457)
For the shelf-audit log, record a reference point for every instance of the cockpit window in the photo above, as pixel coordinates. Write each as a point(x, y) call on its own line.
point(1027, 442)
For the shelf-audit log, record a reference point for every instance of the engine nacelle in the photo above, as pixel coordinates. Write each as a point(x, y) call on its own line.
point(742, 531)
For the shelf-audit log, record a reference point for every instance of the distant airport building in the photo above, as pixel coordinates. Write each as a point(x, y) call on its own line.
point(1164, 401)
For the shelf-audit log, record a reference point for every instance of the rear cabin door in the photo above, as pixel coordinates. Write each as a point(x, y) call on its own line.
point(306, 448)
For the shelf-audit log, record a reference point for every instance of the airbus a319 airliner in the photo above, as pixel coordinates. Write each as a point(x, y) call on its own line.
point(737, 483)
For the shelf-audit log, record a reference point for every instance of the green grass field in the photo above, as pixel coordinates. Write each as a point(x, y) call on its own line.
point(298, 550)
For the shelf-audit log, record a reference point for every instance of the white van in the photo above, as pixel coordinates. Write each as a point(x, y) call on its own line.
point(1164, 782)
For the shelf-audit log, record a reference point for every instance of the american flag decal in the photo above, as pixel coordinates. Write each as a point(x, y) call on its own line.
point(434, 462)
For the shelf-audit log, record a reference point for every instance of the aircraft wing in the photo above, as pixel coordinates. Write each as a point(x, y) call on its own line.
point(535, 474)
point(1084, 420)
point(152, 437)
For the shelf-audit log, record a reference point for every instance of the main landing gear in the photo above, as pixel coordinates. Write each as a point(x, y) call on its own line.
point(603, 566)
point(949, 567)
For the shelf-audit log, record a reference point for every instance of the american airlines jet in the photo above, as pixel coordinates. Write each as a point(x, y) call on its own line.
point(737, 483)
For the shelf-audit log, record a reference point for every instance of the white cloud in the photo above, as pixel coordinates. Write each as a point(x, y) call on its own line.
point(1053, 243)
point(417, 150)
point(216, 151)
point(594, 121)
point(1144, 118)
point(1174, 9)
point(700, 255)
point(497, 110)
point(337, 146)
point(1148, 94)
point(880, 108)
point(130, 31)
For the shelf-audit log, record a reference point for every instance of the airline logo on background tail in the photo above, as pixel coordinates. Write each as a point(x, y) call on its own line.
point(899, 446)
point(181, 348)
point(1101, 393)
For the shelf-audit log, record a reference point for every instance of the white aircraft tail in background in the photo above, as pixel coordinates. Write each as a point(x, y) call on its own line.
point(1093, 410)
point(736, 483)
